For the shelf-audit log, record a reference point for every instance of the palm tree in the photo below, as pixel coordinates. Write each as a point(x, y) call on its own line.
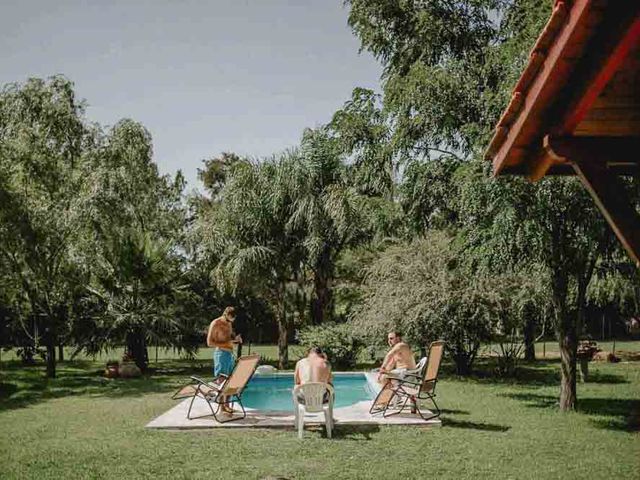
point(248, 226)
point(137, 281)
point(326, 209)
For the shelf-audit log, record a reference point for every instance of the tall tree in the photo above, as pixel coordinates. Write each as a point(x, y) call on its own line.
point(552, 223)
point(43, 145)
point(449, 67)
point(326, 210)
point(133, 243)
point(259, 252)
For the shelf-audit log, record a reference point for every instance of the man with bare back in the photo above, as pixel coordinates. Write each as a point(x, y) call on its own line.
point(221, 336)
point(313, 368)
point(398, 360)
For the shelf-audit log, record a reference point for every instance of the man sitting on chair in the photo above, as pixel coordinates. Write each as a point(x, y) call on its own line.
point(398, 360)
point(313, 368)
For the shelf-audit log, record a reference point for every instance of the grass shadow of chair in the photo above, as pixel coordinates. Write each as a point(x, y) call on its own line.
point(354, 432)
point(485, 427)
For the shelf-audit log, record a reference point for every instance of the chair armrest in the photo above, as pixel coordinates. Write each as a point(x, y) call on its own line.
point(215, 386)
point(415, 381)
point(419, 382)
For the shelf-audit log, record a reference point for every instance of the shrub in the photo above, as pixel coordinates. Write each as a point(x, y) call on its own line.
point(338, 340)
point(421, 289)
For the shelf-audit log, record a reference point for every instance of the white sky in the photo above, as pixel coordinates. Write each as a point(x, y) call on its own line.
point(202, 76)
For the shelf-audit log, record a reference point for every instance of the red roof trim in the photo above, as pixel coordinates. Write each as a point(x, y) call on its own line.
point(541, 60)
point(614, 61)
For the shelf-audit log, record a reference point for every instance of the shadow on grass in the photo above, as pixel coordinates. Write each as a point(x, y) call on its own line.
point(23, 386)
point(354, 432)
point(486, 427)
point(538, 373)
point(624, 413)
point(448, 411)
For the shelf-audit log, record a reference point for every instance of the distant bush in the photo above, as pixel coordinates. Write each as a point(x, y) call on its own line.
point(338, 340)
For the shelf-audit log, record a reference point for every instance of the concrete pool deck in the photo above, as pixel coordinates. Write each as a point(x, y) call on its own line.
point(357, 414)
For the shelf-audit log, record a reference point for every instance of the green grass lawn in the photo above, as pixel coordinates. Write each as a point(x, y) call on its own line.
point(81, 425)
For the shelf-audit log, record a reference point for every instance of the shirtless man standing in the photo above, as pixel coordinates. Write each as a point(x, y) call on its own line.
point(398, 359)
point(221, 336)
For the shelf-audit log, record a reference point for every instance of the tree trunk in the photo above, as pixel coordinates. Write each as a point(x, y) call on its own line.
point(567, 338)
point(322, 305)
point(283, 350)
point(568, 355)
point(529, 337)
point(423, 351)
point(137, 348)
point(463, 365)
point(61, 353)
point(49, 341)
point(51, 360)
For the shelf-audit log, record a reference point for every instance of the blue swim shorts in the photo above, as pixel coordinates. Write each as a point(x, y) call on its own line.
point(223, 362)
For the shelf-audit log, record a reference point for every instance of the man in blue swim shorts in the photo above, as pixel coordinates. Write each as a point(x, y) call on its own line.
point(222, 338)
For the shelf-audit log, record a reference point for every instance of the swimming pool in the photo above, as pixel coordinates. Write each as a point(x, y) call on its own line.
point(273, 392)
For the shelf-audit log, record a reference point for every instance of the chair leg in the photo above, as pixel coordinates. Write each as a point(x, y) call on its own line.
point(232, 418)
point(177, 395)
point(200, 416)
point(190, 405)
point(385, 390)
point(300, 424)
point(328, 421)
point(431, 417)
point(395, 410)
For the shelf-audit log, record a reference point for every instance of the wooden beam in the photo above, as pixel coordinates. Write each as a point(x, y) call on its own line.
point(540, 166)
point(567, 170)
point(609, 151)
point(589, 157)
point(610, 197)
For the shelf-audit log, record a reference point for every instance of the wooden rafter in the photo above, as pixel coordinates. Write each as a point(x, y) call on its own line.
point(587, 156)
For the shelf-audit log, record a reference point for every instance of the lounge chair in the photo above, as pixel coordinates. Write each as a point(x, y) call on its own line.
point(223, 389)
point(313, 394)
point(411, 387)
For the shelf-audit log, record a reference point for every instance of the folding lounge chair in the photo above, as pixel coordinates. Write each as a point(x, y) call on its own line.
point(398, 391)
point(223, 389)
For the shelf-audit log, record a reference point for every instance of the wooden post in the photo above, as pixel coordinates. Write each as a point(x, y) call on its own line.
point(584, 369)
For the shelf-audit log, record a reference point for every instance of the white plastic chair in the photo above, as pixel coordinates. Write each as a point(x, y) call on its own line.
point(313, 394)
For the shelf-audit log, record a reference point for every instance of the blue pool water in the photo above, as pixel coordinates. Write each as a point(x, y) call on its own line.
point(273, 392)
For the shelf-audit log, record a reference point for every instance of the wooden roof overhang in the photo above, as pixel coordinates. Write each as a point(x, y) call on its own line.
point(576, 108)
